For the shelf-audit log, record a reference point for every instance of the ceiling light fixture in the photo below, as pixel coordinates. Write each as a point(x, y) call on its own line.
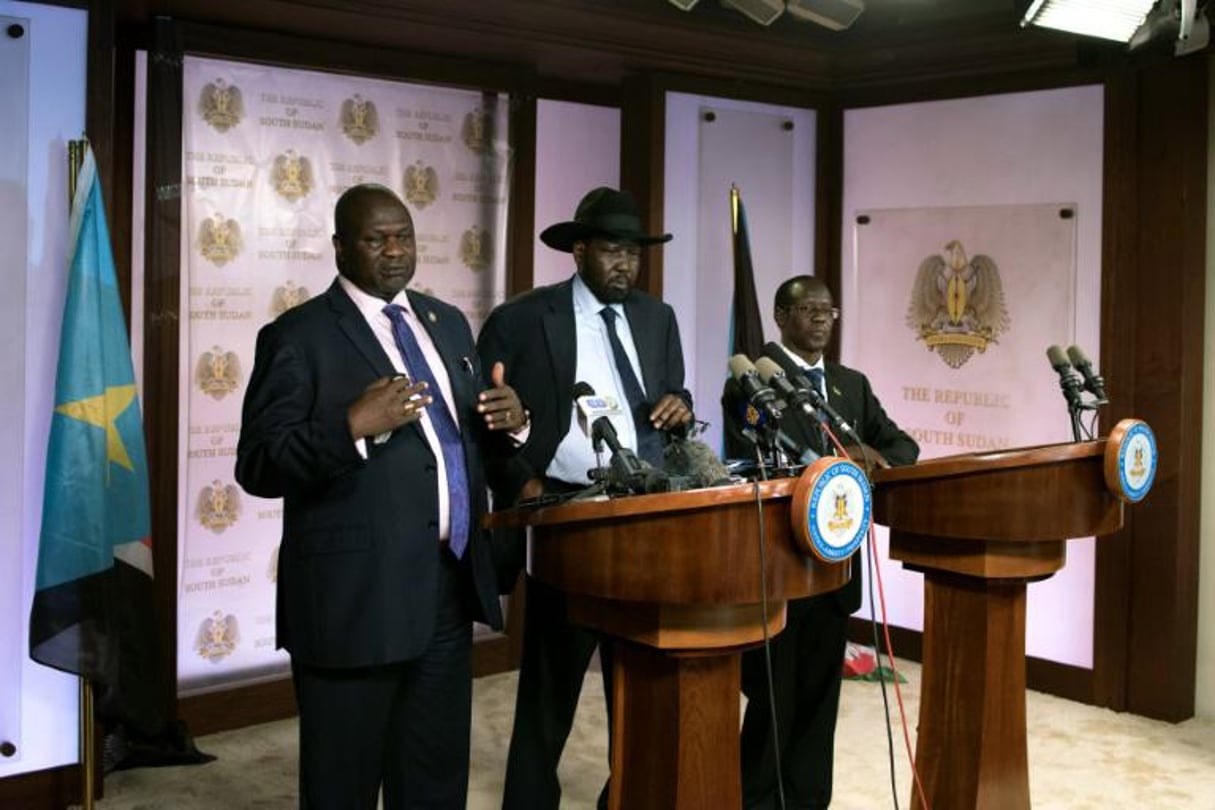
point(834, 14)
point(760, 11)
point(1109, 19)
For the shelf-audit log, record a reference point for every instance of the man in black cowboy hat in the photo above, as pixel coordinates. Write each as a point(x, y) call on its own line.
point(594, 328)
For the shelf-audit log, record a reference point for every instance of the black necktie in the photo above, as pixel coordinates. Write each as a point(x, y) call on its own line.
point(444, 425)
point(649, 446)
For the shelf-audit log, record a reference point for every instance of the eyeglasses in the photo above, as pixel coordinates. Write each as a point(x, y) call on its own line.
point(815, 313)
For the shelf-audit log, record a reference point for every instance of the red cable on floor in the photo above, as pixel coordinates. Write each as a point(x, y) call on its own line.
point(898, 693)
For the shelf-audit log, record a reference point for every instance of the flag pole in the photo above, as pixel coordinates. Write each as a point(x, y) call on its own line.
point(734, 209)
point(88, 758)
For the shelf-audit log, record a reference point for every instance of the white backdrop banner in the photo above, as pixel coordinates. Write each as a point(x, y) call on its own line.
point(968, 299)
point(267, 152)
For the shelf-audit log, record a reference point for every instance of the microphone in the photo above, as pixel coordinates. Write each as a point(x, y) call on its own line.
point(773, 375)
point(1092, 380)
point(591, 408)
point(819, 405)
point(758, 394)
point(798, 453)
point(692, 464)
point(625, 470)
point(1068, 380)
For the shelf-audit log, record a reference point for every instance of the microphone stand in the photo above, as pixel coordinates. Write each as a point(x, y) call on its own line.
point(1073, 409)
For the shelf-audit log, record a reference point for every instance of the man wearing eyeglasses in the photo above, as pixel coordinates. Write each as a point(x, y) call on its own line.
point(807, 656)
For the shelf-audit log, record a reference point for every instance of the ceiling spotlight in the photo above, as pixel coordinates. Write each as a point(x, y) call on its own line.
point(1111, 19)
point(686, 5)
point(1180, 21)
point(760, 11)
point(834, 14)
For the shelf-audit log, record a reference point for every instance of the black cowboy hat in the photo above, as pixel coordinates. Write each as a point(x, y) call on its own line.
point(603, 212)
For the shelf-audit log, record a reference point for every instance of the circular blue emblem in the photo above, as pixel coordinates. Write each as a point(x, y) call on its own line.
point(1137, 461)
point(839, 510)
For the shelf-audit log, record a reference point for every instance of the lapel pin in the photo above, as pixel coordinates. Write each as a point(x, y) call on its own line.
point(430, 315)
point(836, 391)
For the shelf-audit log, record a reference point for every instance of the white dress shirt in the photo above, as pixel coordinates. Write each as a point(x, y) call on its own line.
point(596, 366)
point(372, 309)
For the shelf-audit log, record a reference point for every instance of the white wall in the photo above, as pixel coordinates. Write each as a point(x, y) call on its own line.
point(698, 266)
point(577, 149)
point(47, 700)
point(1042, 147)
point(1204, 696)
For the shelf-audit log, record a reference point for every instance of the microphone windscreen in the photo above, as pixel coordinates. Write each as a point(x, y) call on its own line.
point(582, 389)
point(1057, 357)
point(740, 366)
point(695, 462)
point(1077, 356)
point(768, 368)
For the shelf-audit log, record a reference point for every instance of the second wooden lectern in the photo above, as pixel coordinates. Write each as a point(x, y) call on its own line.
point(980, 527)
point(675, 580)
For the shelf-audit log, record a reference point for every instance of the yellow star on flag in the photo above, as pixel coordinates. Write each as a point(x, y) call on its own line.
point(103, 411)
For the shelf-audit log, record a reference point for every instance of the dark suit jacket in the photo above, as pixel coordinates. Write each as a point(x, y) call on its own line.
point(535, 337)
point(358, 564)
point(850, 394)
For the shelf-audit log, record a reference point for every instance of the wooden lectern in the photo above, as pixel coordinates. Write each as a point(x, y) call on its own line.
point(980, 527)
point(674, 579)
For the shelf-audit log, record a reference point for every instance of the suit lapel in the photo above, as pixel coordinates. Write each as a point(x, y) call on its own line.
point(354, 326)
point(841, 396)
point(562, 337)
point(647, 342)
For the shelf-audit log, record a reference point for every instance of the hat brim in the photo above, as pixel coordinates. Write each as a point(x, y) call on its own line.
point(563, 235)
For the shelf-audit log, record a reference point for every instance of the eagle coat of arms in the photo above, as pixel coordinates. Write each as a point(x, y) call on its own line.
point(217, 373)
point(421, 184)
point(218, 506)
point(957, 304)
point(217, 636)
point(287, 296)
point(477, 131)
point(221, 105)
point(475, 249)
point(291, 176)
point(359, 120)
point(219, 240)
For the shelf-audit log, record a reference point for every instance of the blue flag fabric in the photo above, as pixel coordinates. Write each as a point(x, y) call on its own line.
point(92, 610)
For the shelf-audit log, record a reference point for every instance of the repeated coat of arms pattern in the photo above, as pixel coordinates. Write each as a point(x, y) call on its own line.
point(267, 151)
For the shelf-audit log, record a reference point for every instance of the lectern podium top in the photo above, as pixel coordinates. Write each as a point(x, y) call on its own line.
point(1028, 494)
point(694, 547)
point(638, 505)
point(988, 462)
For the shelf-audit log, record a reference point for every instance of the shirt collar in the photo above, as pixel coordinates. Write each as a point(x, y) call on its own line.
point(370, 305)
point(801, 363)
point(585, 301)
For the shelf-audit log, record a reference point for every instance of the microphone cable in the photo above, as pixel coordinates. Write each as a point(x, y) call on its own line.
point(763, 610)
point(875, 571)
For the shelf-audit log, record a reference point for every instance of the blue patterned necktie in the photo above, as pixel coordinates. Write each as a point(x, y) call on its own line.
point(649, 445)
point(815, 376)
point(444, 425)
